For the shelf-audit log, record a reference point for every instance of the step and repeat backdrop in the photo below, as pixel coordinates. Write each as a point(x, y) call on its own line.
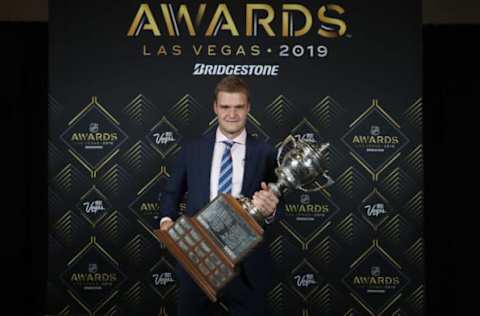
point(129, 80)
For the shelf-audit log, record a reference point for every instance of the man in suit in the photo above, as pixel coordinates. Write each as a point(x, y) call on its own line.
point(231, 161)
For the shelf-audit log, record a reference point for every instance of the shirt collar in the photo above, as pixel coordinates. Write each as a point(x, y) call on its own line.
point(240, 139)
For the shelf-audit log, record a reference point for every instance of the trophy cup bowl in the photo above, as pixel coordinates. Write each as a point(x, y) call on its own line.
point(301, 166)
point(211, 244)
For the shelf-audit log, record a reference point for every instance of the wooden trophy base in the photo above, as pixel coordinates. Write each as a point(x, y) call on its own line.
point(211, 244)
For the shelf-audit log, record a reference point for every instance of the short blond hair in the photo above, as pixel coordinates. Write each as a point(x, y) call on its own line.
point(232, 84)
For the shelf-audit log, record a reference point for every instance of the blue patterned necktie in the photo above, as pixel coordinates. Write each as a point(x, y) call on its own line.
point(226, 170)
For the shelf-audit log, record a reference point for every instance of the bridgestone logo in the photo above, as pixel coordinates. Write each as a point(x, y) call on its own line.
point(250, 70)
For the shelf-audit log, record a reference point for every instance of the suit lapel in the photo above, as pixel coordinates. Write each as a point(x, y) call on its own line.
point(249, 168)
point(205, 164)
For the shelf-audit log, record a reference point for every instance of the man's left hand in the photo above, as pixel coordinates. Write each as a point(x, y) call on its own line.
point(265, 200)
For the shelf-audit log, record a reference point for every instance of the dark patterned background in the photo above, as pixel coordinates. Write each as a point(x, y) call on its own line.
point(116, 118)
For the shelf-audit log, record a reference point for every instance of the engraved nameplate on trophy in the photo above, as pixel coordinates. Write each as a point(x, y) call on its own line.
point(210, 244)
point(228, 228)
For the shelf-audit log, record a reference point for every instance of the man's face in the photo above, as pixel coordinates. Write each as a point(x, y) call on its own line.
point(232, 109)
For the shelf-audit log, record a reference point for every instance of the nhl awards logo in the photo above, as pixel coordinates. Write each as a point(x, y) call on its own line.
point(93, 135)
point(94, 139)
point(147, 205)
point(309, 206)
point(93, 276)
point(375, 142)
point(375, 279)
point(93, 279)
point(307, 214)
point(375, 138)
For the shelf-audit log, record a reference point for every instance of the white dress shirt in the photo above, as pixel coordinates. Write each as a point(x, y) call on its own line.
point(238, 162)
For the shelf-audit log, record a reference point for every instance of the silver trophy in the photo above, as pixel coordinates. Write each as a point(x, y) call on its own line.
point(301, 166)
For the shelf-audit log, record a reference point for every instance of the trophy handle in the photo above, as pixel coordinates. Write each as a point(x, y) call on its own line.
point(328, 183)
point(286, 141)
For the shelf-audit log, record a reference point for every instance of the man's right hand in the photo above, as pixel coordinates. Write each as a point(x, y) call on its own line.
point(166, 224)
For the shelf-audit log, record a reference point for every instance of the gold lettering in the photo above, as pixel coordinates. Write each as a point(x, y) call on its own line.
point(162, 51)
point(311, 208)
point(211, 50)
point(151, 25)
point(168, 19)
point(197, 50)
point(257, 15)
point(240, 51)
point(149, 207)
point(380, 280)
point(177, 50)
point(264, 22)
point(255, 50)
point(183, 14)
point(200, 13)
point(222, 9)
point(286, 20)
point(342, 27)
point(145, 52)
point(226, 50)
point(93, 277)
point(376, 139)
